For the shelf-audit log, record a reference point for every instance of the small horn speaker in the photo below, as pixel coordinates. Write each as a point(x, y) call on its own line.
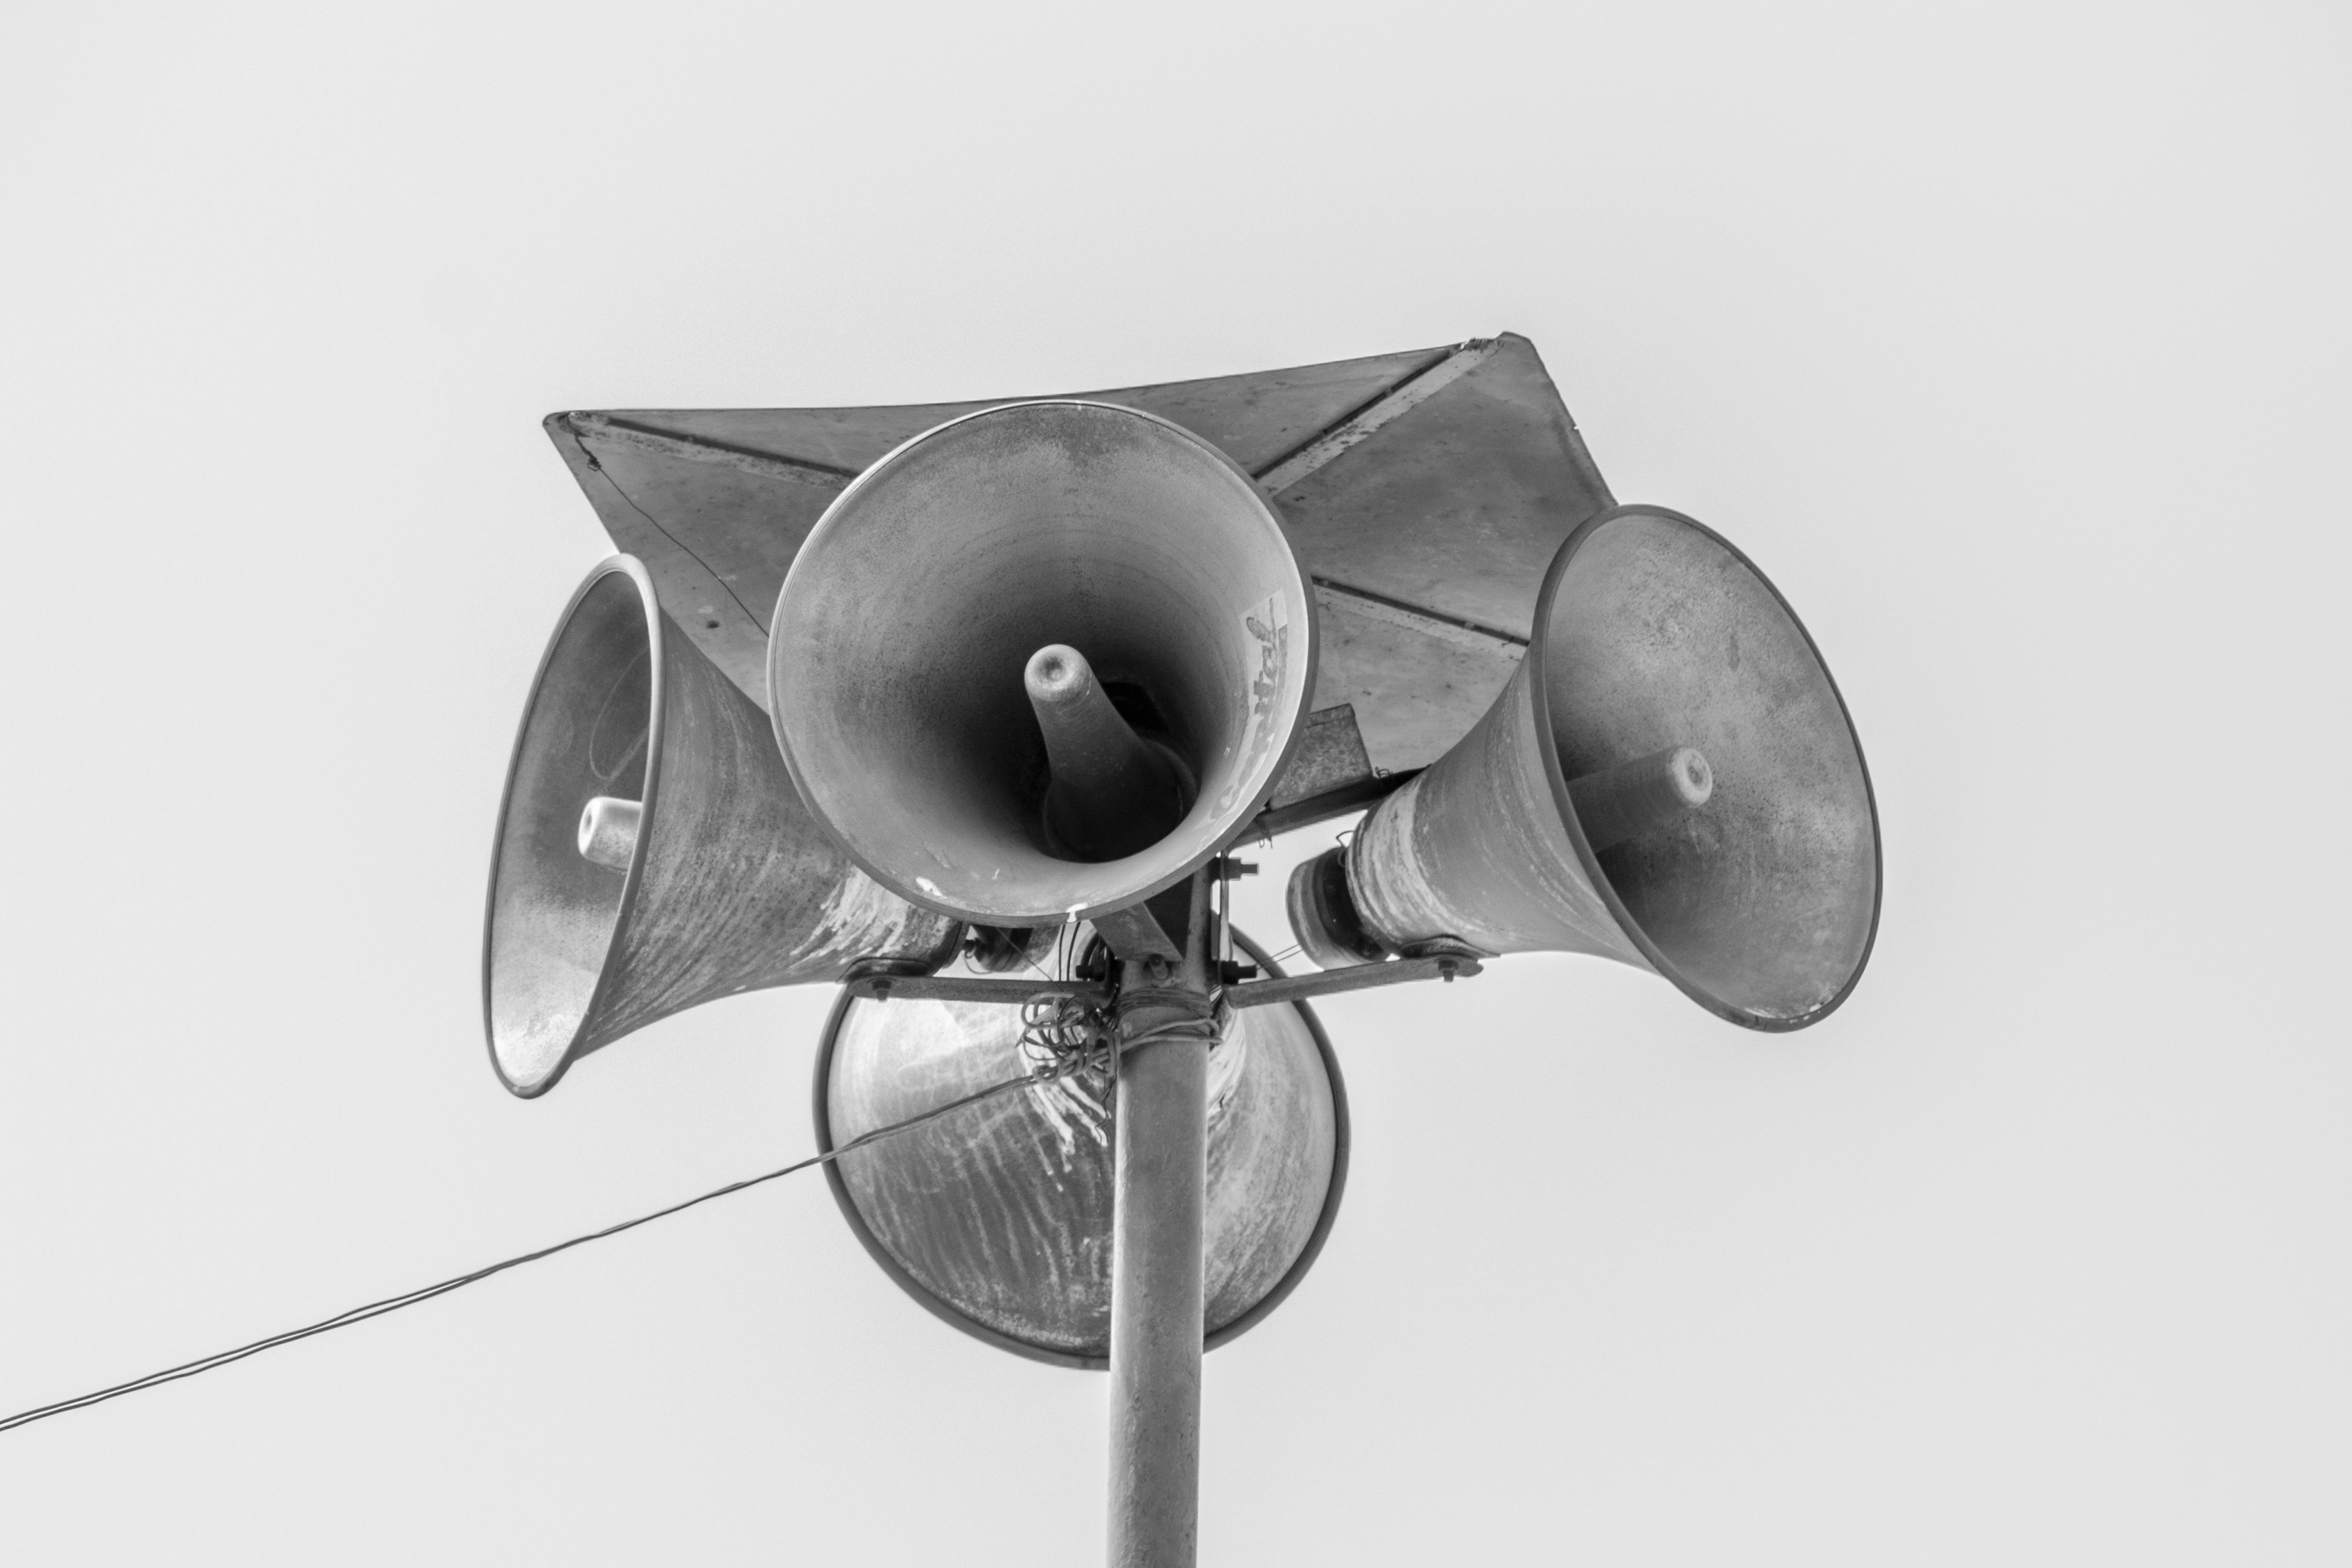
point(1041, 661)
point(1670, 779)
point(651, 854)
point(998, 1218)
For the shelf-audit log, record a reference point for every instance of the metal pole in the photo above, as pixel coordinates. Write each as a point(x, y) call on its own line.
point(1155, 1301)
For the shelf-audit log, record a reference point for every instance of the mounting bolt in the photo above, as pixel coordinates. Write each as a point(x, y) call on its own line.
point(1155, 968)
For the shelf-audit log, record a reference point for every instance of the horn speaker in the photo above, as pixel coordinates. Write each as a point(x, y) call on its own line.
point(998, 1219)
point(651, 854)
point(1041, 594)
point(1670, 779)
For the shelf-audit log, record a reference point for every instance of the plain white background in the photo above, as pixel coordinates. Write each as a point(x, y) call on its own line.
point(2009, 339)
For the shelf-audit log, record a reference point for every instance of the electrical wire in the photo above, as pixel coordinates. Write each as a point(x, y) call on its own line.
point(1059, 1052)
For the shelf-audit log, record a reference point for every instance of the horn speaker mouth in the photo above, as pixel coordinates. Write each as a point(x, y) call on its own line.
point(593, 729)
point(1654, 631)
point(897, 659)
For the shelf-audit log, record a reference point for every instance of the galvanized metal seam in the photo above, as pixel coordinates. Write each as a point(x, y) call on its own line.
point(701, 450)
point(1432, 359)
point(679, 544)
point(1455, 630)
point(1390, 406)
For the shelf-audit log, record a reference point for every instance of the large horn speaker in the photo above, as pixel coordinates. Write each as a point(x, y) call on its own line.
point(651, 854)
point(1038, 606)
point(1670, 779)
point(998, 1218)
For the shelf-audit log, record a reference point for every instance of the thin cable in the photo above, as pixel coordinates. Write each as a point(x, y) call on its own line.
point(1062, 1065)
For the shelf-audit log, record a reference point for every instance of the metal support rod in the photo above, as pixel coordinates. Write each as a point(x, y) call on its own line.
point(881, 984)
point(1357, 977)
point(1161, 1165)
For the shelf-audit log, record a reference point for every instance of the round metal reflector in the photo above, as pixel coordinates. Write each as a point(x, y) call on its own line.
point(998, 1218)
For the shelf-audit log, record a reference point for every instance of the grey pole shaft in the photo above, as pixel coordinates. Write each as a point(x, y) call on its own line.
point(1155, 1301)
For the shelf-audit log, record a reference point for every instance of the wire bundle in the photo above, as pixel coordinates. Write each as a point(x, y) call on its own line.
point(1062, 1037)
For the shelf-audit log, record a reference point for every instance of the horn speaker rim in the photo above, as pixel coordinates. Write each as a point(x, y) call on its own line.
point(628, 567)
point(946, 1312)
point(1539, 696)
point(1308, 664)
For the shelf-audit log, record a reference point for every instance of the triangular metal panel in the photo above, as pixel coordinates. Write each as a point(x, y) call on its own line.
point(1256, 419)
point(1425, 492)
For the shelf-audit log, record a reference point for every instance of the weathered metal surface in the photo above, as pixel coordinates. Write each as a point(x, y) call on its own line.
point(895, 674)
point(1762, 904)
point(1457, 508)
point(1423, 491)
point(727, 885)
point(1330, 756)
point(1416, 682)
point(1397, 400)
point(999, 1219)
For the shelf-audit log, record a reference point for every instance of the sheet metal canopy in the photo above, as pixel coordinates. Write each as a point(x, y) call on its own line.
point(1425, 492)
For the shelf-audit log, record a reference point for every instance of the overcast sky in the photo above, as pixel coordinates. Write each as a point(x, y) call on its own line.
point(2008, 340)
